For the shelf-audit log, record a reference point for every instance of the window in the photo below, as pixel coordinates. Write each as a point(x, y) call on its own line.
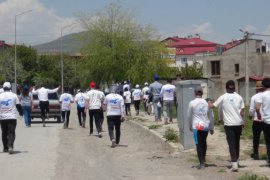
point(184, 60)
point(215, 68)
point(236, 69)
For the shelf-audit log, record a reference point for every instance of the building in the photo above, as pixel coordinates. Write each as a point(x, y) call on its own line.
point(4, 46)
point(191, 49)
point(230, 65)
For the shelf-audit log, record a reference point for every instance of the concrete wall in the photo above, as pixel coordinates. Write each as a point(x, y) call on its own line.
point(258, 65)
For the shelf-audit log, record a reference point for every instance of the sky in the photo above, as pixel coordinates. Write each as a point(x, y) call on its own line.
point(214, 20)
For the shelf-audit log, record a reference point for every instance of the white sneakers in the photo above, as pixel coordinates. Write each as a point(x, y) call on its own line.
point(234, 166)
point(113, 144)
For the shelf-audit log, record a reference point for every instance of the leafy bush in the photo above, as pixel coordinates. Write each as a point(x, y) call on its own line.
point(154, 126)
point(250, 176)
point(171, 135)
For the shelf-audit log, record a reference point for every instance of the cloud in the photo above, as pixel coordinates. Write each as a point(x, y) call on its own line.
point(38, 26)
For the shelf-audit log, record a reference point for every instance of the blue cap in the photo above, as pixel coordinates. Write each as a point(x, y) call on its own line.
point(26, 87)
point(156, 77)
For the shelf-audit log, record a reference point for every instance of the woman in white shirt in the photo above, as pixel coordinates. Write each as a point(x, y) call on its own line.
point(127, 101)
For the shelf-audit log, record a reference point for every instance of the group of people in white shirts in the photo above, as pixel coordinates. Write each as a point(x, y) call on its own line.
point(153, 97)
point(231, 111)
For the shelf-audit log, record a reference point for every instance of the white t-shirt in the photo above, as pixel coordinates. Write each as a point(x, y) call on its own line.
point(43, 93)
point(167, 92)
point(114, 104)
point(145, 92)
point(66, 99)
point(80, 100)
point(199, 115)
point(231, 104)
point(8, 101)
point(127, 95)
point(264, 99)
point(95, 98)
point(252, 108)
point(136, 94)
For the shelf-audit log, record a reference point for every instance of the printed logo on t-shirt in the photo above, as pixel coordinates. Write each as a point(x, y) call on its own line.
point(231, 100)
point(6, 103)
point(114, 101)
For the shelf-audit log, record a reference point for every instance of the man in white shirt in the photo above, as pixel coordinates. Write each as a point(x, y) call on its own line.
point(257, 126)
point(80, 99)
point(145, 94)
point(66, 99)
point(137, 95)
point(127, 101)
point(201, 120)
point(167, 95)
point(232, 105)
point(8, 118)
point(42, 94)
point(263, 112)
point(114, 105)
point(94, 103)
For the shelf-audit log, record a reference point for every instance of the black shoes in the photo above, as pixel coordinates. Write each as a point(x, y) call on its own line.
point(201, 166)
point(254, 156)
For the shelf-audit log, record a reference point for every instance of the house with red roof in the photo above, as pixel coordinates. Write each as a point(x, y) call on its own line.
point(4, 46)
point(191, 49)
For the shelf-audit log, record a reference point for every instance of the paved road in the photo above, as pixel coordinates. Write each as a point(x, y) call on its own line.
point(53, 153)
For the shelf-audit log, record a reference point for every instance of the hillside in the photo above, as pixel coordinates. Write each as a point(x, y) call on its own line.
point(71, 43)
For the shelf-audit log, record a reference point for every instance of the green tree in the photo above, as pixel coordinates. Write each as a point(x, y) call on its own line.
point(118, 48)
point(191, 71)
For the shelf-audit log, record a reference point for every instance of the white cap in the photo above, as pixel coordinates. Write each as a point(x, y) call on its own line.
point(7, 85)
point(137, 86)
point(146, 83)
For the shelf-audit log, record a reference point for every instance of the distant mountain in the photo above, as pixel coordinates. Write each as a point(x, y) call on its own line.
point(71, 44)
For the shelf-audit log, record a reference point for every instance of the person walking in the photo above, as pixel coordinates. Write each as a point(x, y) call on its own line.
point(145, 94)
point(115, 108)
point(154, 91)
point(65, 100)
point(9, 102)
point(42, 94)
point(26, 100)
point(94, 103)
point(137, 95)
point(167, 94)
point(80, 99)
point(127, 101)
point(101, 108)
point(263, 113)
point(257, 125)
point(201, 121)
point(232, 107)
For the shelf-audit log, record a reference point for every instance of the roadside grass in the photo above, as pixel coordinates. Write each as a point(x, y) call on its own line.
point(171, 135)
point(251, 176)
point(154, 126)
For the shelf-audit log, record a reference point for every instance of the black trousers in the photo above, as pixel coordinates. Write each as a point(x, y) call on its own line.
point(94, 114)
point(137, 105)
point(8, 132)
point(65, 117)
point(145, 105)
point(81, 114)
point(127, 108)
point(233, 134)
point(257, 128)
point(114, 122)
point(201, 145)
point(44, 108)
point(266, 132)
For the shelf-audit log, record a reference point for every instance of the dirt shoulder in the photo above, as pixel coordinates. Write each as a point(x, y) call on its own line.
point(217, 153)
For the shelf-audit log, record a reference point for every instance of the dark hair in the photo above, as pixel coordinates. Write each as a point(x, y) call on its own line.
point(266, 83)
point(126, 89)
point(230, 86)
point(169, 80)
point(25, 92)
point(198, 93)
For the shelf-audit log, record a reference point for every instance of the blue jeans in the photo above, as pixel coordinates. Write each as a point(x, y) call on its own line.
point(26, 115)
point(157, 110)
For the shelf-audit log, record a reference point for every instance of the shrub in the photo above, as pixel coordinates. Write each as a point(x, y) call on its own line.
point(250, 176)
point(154, 126)
point(171, 135)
